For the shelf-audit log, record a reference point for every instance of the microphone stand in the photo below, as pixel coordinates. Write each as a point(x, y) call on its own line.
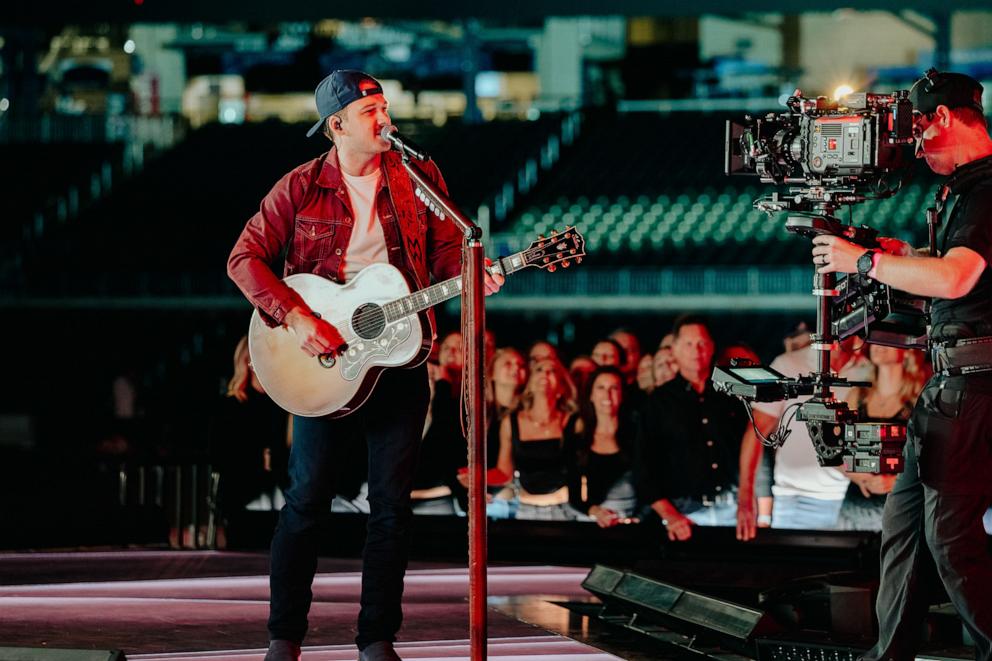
point(473, 336)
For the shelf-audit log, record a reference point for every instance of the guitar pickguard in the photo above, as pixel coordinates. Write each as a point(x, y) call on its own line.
point(361, 352)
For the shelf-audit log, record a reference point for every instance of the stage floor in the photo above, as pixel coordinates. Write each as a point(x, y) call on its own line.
point(175, 605)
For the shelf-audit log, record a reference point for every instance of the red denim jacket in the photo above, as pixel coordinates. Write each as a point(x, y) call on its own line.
point(307, 215)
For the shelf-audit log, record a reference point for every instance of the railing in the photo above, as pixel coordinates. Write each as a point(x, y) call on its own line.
point(710, 289)
point(185, 493)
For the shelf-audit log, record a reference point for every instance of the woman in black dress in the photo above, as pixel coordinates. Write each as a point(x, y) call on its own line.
point(598, 443)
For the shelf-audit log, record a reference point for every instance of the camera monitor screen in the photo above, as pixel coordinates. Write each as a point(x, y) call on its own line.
point(755, 374)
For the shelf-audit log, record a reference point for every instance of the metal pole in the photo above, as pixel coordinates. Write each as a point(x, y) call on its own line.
point(823, 341)
point(473, 336)
point(473, 333)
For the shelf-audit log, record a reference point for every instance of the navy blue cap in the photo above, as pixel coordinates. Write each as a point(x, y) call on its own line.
point(339, 89)
point(941, 88)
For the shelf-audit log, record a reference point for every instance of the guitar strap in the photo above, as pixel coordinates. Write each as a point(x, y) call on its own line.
point(412, 236)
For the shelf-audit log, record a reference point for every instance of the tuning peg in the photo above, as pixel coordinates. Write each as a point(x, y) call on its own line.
point(551, 268)
point(540, 237)
point(565, 263)
point(578, 260)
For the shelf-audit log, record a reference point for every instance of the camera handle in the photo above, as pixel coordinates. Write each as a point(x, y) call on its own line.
point(825, 288)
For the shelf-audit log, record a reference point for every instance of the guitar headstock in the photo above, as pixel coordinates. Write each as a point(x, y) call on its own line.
point(560, 248)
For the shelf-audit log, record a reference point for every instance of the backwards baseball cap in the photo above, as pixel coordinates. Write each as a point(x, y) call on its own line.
point(339, 89)
point(954, 90)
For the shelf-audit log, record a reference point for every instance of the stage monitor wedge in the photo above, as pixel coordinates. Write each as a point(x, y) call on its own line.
point(679, 609)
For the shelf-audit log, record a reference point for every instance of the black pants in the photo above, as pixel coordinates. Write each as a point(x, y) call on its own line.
point(936, 509)
point(392, 422)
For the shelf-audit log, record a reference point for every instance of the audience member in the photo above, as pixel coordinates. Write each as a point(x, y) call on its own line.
point(890, 399)
point(449, 358)
point(645, 373)
point(508, 376)
point(541, 350)
point(443, 449)
point(609, 352)
point(532, 443)
point(797, 338)
point(249, 443)
point(580, 369)
point(690, 439)
point(490, 346)
point(508, 371)
point(738, 351)
point(806, 495)
point(598, 446)
point(665, 367)
point(632, 353)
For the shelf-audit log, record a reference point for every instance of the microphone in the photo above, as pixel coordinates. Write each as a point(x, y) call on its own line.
point(390, 134)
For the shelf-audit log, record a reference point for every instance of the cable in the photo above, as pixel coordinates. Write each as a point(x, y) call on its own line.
point(778, 437)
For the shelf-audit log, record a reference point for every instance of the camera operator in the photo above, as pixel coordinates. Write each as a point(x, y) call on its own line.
point(937, 504)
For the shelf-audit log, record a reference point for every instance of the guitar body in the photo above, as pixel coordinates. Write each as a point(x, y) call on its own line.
point(310, 387)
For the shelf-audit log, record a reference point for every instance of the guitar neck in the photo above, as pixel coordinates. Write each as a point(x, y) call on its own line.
point(440, 292)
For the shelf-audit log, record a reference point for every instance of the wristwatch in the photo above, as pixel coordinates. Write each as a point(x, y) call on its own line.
point(866, 261)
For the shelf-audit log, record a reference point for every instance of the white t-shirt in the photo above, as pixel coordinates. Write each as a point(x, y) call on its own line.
point(797, 472)
point(368, 244)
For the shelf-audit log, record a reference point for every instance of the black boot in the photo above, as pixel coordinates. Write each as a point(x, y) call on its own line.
point(379, 651)
point(283, 650)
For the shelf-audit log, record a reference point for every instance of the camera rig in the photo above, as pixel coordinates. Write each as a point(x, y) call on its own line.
point(832, 154)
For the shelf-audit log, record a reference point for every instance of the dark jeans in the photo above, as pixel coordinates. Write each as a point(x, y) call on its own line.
point(933, 519)
point(392, 422)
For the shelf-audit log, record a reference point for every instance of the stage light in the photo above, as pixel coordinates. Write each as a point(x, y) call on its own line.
point(4, 104)
point(842, 91)
point(129, 46)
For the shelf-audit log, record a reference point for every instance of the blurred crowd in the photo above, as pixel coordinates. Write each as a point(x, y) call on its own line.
point(615, 436)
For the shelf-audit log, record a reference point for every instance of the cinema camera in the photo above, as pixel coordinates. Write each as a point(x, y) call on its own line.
point(832, 154)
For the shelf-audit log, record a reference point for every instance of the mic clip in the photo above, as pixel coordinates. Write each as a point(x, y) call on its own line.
point(402, 145)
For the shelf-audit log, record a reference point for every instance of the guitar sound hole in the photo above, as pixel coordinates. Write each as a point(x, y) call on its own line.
point(368, 321)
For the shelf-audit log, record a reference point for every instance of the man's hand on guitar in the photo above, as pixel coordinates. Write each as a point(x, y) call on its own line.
point(316, 336)
point(493, 280)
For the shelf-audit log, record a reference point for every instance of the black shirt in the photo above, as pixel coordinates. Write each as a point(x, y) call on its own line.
point(690, 442)
point(540, 463)
point(443, 449)
point(969, 225)
point(601, 471)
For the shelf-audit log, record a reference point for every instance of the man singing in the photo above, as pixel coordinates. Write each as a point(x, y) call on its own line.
point(935, 509)
point(333, 216)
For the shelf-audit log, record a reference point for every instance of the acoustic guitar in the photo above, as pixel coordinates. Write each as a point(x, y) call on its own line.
point(382, 322)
